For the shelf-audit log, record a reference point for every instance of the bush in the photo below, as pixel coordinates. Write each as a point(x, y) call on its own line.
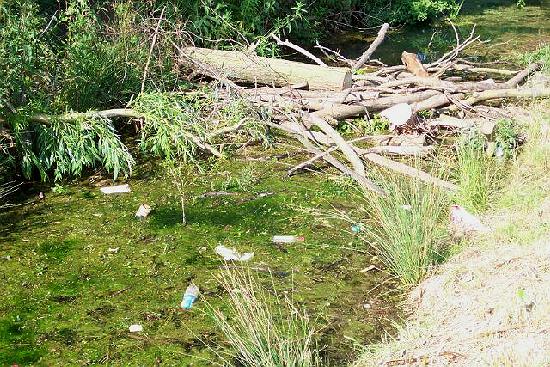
point(264, 331)
point(407, 227)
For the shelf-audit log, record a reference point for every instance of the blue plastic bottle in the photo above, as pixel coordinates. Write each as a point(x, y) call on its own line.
point(190, 295)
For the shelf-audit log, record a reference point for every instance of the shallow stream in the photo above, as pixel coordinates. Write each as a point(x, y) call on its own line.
point(77, 268)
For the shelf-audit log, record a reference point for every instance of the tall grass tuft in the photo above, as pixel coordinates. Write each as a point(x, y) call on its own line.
point(264, 331)
point(474, 177)
point(407, 227)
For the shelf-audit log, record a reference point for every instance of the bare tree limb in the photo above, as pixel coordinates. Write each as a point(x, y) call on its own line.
point(306, 53)
point(374, 45)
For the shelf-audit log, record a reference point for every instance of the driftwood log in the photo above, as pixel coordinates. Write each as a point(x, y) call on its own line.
point(247, 68)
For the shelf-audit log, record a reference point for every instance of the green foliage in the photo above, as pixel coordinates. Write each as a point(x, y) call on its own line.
point(474, 174)
point(481, 164)
point(68, 147)
point(541, 55)
point(263, 332)
point(407, 228)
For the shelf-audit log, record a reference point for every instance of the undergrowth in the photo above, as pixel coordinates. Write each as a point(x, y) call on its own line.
point(264, 331)
point(407, 227)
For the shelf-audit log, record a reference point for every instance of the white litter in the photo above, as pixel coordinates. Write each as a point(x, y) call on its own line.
point(113, 250)
point(229, 254)
point(136, 328)
point(116, 189)
point(143, 211)
point(398, 115)
point(463, 221)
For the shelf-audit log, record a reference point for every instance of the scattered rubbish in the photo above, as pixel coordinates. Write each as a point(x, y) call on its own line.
point(463, 221)
point(7, 257)
point(98, 215)
point(406, 207)
point(190, 295)
point(136, 328)
point(287, 239)
point(397, 115)
point(143, 211)
point(230, 254)
point(356, 228)
point(499, 151)
point(366, 306)
point(367, 269)
point(115, 189)
point(41, 195)
point(264, 194)
point(113, 250)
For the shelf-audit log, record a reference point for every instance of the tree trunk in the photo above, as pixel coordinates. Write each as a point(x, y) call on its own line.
point(241, 67)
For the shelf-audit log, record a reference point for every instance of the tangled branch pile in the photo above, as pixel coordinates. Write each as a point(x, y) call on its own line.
point(308, 101)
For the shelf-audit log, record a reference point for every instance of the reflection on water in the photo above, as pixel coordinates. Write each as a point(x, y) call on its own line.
point(511, 31)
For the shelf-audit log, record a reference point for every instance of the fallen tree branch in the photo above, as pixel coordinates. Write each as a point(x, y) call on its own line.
point(306, 53)
point(346, 149)
point(508, 93)
point(519, 77)
point(71, 116)
point(408, 171)
point(374, 45)
point(363, 182)
point(316, 157)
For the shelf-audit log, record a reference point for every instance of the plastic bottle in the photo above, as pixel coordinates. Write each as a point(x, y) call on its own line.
point(190, 295)
point(287, 239)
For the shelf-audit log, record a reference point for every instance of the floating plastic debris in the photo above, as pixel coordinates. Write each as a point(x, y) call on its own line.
point(190, 295)
point(115, 189)
point(230, 254)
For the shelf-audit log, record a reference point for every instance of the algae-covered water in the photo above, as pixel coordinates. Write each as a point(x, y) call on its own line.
point(78, 269)
point(68, 296)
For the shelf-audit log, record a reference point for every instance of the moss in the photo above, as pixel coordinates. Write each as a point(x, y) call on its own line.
point(79, 298)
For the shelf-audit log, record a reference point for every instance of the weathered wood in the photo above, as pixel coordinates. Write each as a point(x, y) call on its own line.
point(400, 151)
point(303, 138)
point(408, 171)
point(346, 149)
point(413, 64)
point(374, 45)
point(507, 93)
point(242, 67)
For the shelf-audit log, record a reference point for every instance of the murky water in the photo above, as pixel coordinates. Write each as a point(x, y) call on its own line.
point(509, 30)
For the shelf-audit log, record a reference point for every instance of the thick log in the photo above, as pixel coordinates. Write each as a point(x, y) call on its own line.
point(242, 67)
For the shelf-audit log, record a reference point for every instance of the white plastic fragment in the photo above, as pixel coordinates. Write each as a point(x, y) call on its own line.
point(463, 221)
point(113, 250)
point(136, 328)
point(116, 189)
point(143, 211)
point(229, 254)
point(398, 115)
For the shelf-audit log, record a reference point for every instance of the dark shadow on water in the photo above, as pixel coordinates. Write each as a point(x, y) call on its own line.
point(254, 215)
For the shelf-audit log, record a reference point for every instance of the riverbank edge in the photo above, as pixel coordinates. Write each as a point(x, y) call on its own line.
point(488, 305)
